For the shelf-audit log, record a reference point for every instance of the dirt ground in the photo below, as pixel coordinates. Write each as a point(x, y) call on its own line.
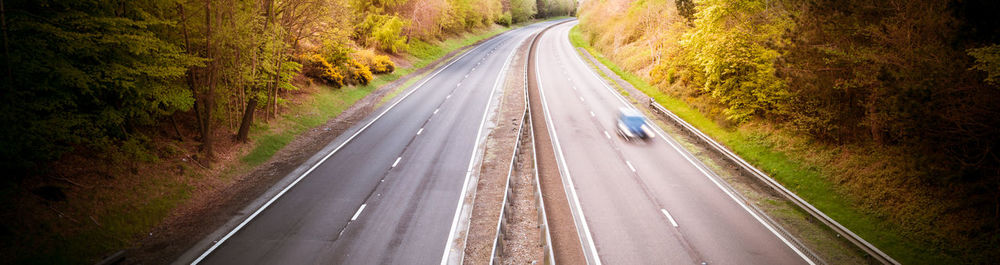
point(523, 239)
point(210, 207)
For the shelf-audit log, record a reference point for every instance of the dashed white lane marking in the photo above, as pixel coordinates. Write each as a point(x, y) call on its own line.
point(630, 165)
point(574, 87)
point(592, 114)
point(449, 96)
point(466, 76)
point(436, 110)
point(606, 134)
point(355, 217)
point(458, 85)
point(398, 158)
point(581, 99)
point(671, 218)
point(420, 131)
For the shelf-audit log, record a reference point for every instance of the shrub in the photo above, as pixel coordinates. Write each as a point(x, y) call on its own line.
point(384, 32)
point(378, 64)
point(357, 73)
point(382, 65)
point(504, 19)
point(316, 66)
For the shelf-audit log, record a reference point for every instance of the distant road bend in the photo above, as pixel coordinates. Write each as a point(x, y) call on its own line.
point(388, 194)
point(641, 203)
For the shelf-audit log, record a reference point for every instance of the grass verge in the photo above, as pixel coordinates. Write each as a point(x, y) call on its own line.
point(808, 180)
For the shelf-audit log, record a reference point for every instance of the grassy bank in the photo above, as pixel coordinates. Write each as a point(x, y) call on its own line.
point(792, 161)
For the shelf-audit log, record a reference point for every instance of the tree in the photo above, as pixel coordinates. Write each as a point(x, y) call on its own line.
point(87, 74)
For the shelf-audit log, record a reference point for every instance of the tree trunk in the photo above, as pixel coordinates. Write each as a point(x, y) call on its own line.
point(6, 48)
point(191, 73)
point(210, 75)
point(247, 120)
point(173, 121)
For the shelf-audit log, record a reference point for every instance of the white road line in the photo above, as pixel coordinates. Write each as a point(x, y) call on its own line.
point(459, 84)
point(703, 171)
point(449, 96)
point(671, 218)
point(328, 155)
point(630, 165)
point(581, 99)
point(586, 238)
point(397, 161)
point(420, 131)
point(466, 76)
point(592, 114)
point(606, 134)
point(355, 217)
point(574, 87)
point(472, 162)
point(436, 110)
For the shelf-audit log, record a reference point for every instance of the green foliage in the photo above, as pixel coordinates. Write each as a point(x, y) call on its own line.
point(551, 8)
point(383, 32)
point(988, 60)
point(336, 53)
point(863, 77)
point(504, 19)
point(522, 10)
point(736, 45)
point(80, 73)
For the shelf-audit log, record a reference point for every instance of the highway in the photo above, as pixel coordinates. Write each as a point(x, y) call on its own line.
point(390, 192)
point(641, 202)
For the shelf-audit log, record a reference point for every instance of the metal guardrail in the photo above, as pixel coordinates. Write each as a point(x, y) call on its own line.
point(502, 222)
point(747, 167)
point(543, 225)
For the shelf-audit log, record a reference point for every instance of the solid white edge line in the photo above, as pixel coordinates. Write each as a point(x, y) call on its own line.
point(397, 161)
point(707, 175)
point(355, 217)
point(472, 160)
point(671, 218)
point(630, 165)
point(320, 162)
point(587, 238)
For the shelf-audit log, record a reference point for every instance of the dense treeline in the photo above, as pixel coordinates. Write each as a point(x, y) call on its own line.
point(913, 83)
point(96, 75)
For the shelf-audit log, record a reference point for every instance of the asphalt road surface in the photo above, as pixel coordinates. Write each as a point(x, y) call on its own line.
point(643, 202)
point(388, 194)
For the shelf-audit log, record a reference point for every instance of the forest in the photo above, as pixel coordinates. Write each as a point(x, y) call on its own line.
point(109, 89)
point(895, 104)
point(94, 74)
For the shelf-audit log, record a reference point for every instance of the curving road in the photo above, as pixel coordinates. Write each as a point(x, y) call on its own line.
point(635, 202)
point(391, 190)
